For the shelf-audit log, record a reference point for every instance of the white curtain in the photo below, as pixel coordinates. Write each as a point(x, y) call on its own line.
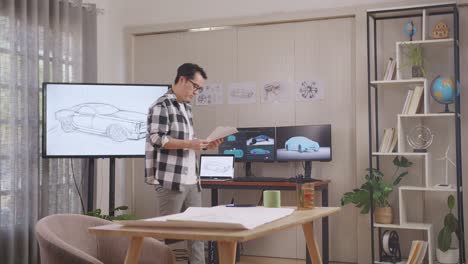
point(40, 41)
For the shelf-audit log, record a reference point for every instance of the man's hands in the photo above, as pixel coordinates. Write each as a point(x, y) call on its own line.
point(215, 143)
point(198, 144)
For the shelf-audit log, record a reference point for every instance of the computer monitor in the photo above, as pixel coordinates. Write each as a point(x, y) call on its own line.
point(304, 143)
point(216, 166)
point(251, 144)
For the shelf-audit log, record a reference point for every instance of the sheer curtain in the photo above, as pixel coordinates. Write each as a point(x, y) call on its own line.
point(40, 40)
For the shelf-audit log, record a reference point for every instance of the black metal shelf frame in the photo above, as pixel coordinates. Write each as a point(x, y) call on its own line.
point(394, 13)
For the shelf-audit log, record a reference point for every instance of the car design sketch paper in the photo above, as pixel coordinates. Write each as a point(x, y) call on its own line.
point(215, 217)
point(212, 94)
point(275, 92)
point(242, 93)
point(221, 132)
point(308, 90)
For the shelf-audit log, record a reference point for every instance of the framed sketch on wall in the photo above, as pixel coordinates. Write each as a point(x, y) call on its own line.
point(309, 90)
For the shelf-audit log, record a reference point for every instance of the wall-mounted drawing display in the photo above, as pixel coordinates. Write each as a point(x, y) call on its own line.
point(242, 93)
point(277, 91)
point(308, 90)
point(212, 94)
point(96, 120)
point(304, 143)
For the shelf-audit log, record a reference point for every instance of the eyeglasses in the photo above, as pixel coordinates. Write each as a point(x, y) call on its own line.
point(196, 88)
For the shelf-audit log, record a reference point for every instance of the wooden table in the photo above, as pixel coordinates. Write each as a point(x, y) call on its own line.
point(227, 239)
point(319, 185)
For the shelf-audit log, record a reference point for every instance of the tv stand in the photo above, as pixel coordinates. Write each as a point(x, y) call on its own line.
point(308, 169)
point(248, 169)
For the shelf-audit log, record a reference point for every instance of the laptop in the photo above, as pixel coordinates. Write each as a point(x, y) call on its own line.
point(217, 167)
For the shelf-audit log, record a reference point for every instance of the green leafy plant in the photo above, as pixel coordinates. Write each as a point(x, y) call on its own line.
point(381, 190)
point(444, 239)
point(98, 213)
point(413, 57)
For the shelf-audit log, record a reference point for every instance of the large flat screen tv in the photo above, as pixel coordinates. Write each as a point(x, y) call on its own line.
point(304, 143)
point(96, 120)
point(251, 144)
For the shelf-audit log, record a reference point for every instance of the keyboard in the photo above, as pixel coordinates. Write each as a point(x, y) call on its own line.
point(266, 179)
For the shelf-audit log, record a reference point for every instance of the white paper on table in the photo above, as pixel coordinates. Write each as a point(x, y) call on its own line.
point(221, 132)
point(216, 217)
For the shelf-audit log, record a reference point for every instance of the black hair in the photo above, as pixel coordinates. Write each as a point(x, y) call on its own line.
point(188, 70)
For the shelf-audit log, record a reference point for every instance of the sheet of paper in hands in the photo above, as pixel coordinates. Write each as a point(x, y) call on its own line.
point(221, 132)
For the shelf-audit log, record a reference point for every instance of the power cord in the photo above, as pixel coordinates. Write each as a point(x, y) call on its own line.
point(76, 186)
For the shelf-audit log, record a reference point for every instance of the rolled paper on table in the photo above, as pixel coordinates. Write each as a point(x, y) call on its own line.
point(272, 199)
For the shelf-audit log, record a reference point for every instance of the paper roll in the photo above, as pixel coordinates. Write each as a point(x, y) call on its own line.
point(272, 199)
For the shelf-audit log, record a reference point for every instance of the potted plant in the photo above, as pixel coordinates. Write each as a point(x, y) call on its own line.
point(381, 192)
point(98, 213)
point(446, 253)
point(414, 58)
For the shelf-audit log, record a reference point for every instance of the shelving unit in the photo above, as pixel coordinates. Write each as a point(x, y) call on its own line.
point(450, 135)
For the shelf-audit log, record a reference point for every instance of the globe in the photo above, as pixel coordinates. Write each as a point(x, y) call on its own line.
point(443, 90)
point(410, 29)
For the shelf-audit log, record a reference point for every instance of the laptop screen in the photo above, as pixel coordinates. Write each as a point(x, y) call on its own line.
point(219, 166)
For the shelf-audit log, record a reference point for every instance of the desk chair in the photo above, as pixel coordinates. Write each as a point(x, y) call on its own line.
point(64, 238)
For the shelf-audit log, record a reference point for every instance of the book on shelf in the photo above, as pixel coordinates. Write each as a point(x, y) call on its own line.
point(415, 101)
point(389, 140)
point(417, 252)
point(407, 102)
point(388, 70)
point(391, 72)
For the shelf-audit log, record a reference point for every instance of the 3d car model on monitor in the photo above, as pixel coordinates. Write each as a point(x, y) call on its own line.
point(238, 153)
point(103, 119)
point(259, 151)
point(301, 144)
point(260, 138)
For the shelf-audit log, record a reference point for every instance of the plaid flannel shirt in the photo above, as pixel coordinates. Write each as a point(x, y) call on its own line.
point(166, 167)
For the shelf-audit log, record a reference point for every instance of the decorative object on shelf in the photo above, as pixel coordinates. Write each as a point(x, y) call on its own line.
point(440, 31)
point(446, 253)
point(382, 190)
point(410, 30)
point(443, 91)
point(414, 57)
point(420, 138)
point(447, 162)
point(390, 247)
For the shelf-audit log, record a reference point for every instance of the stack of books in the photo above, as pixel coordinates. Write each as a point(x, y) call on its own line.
point(413, 101)
point(417, 252)
point(389, 140)
point(390, 70)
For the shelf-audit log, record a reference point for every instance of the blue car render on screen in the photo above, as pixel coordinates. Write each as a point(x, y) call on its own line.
point(301, 144)
point(304, 143)
point(251, 144)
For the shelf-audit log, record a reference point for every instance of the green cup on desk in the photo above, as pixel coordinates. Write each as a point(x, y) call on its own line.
point(272, 199)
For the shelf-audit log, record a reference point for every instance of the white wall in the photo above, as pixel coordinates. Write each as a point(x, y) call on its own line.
point(119, 14)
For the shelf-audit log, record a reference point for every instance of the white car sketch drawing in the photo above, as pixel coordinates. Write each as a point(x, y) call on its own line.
point(241, 93)
point(103, 119)
point(217, 167)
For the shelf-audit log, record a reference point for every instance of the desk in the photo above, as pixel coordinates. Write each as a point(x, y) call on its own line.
point(227, 239)
point(321, 186)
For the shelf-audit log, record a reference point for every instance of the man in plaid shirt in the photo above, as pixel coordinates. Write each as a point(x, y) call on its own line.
point(170, 161)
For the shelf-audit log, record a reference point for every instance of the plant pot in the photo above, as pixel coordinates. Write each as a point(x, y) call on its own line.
point(417, 72)
point(383, 215)
point(448, 257)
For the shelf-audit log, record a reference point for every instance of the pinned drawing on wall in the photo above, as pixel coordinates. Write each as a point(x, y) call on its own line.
point(242, 93)
point(212, 94)
point(308, 90)
point(275, 92)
